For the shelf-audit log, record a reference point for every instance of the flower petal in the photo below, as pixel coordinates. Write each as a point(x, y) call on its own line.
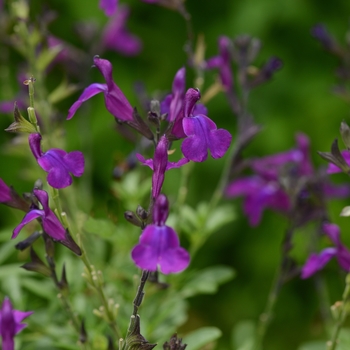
point(317, 262)
point(30, 216)
point(159, 246)
point(108, 6)
point(74, 162)
point(89, 92)
point(59, 177)
point(333, 169)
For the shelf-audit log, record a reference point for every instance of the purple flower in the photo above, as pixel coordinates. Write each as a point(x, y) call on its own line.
point(173, 104)
point(223, 62)
point(58, 163)
point(116, 37)
point(108, 6)
point(159, 244)
point(160, 164)
point(116, 103)
point(259, 193)
point(51, 225)
point(264, 189)
point(320, 32)
point(316, 262)
point(10, 323)
point(5, 192)
point(333, 169)
point(201, 133)
point(9, 197)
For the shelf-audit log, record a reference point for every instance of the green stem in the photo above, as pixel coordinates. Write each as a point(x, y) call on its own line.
point(333, 343)
point(266, 317)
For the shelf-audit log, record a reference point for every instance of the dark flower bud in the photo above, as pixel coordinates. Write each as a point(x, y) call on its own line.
point(141, 213)
point(83, 337)
point(132, 218)
point(155, 108)
point(320, 32)
point(28, 241)
point(70, 244)
point(266, 72)
point(335, 157)
point(63, 283)
point(174, 343)
point(110, 343)
point(36, 264)
point(345, 134)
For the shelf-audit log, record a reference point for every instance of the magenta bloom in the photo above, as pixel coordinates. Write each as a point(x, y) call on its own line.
point(223, 63)
point(259, 193)
point(51, 225)
point(10, 323)
point(201, 133)
point(58, 163)
point(108, 6)
point(159, 245)
point(5, 192)
point(316, 262)
point(264, 190)
point(116, 103)
point(160, 165)
point(116, 37)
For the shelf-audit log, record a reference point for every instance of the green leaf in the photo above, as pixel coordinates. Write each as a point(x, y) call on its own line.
point(207, 281)
point(201, 337)
point(46, 57)
point(243, 335)
point(62, 91)
point(315, 345)
point(101, 227)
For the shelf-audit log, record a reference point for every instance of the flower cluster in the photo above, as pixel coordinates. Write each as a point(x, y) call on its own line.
point(273, 183)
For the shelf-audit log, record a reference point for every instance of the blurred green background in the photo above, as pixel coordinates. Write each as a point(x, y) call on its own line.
point(298, 98)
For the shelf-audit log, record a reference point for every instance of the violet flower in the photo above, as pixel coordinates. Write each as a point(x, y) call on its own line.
point(116, 37)
point(10, 323)
point(160, 164)
point(264, 189)
point(173, 104)
point(316, 262)
point(116, 103)
point(201, 133)
point(9, 197)
point(109, 7)
point(159, 245)
point(51, 225)
point(58, 163)
point(223, 63)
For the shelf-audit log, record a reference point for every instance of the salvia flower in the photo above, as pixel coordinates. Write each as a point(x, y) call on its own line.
point(160, 164)
point(116, 103)
point(333, 169)
point(173, 104)
point(316, 262)
point(159, 245)
point(11, 323)
point(51, 224)
point(223, 63)
point(58, 163)
point(116, 37)
point(265, 189)
point(9, 197)
point(109, 7)
point(202, 133)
